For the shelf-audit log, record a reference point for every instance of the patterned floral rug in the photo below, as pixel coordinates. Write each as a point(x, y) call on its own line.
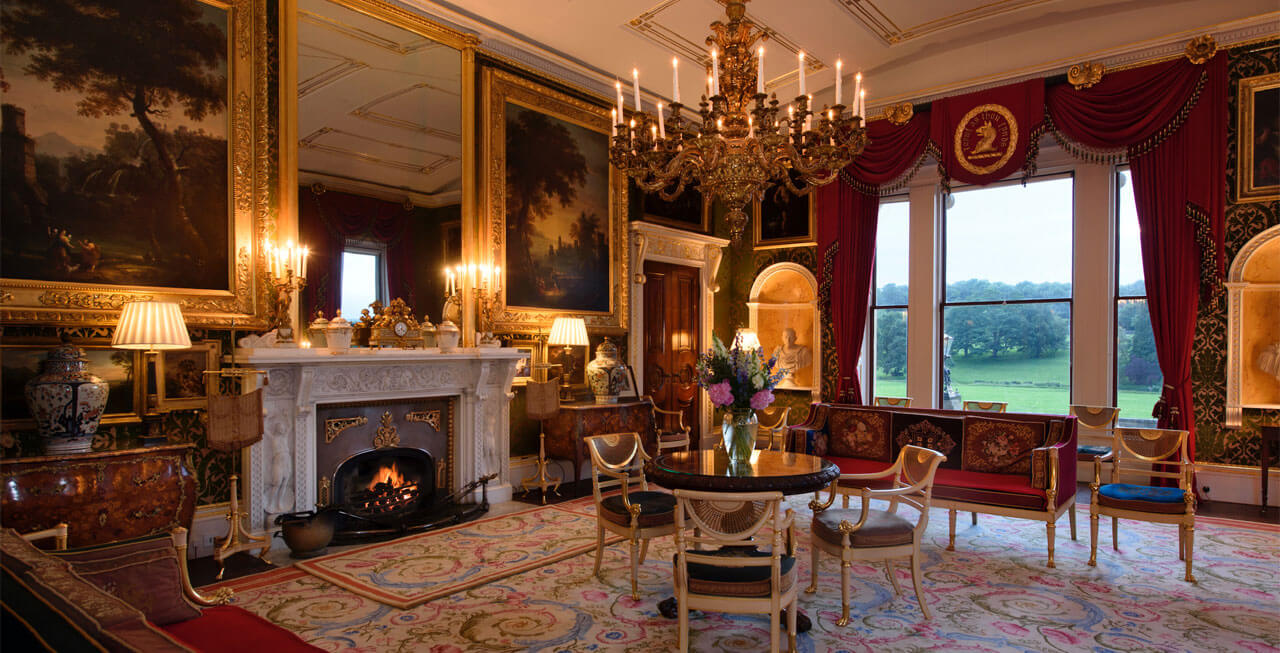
point(412, 570)
point(992, 594)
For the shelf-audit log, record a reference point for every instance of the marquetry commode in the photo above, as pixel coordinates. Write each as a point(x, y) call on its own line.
point(281, 469)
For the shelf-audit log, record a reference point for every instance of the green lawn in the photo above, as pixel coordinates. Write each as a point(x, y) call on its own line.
point(1030, 385)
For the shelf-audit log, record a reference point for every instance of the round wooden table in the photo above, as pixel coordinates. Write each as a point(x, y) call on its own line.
point(710, 470)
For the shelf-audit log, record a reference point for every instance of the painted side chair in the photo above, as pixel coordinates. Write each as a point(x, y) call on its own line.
point(772, 432)
point(617, 460)
point(669, 438)
point(986, 406)
point(869, 534)
point(1143, 452)
point(899, 402)
point(720, 565)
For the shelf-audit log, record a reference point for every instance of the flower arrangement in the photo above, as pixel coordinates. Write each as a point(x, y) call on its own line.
point(738, 379)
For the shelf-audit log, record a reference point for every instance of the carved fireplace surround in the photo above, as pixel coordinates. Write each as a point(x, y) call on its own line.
point(281, 469)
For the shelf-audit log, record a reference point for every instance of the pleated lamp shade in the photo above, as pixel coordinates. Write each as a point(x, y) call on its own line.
point(746, 339)
point(151, 326)
point(569, 331)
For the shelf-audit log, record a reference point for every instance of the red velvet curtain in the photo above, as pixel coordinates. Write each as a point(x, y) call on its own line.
point(847, 213)
point(326, 221)
point(1172, 119)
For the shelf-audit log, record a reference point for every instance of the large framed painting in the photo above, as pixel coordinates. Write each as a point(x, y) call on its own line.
point(136, 159)
point(555, 208)
point(120, 368)
point(689, 210)
point(784, 219)
point(1258, 139)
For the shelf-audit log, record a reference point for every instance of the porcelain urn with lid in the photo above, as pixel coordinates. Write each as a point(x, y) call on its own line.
point(338, 334)
point(606, 374)
point(66, 400)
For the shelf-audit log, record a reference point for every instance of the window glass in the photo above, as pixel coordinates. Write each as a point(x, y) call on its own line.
point(1137, 371)
point(1007, 310)
point(360, 274)
point(889, 301)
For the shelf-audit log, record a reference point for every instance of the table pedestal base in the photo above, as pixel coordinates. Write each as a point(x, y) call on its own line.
point(670, 609)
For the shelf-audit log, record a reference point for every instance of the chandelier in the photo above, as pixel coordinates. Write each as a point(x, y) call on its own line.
point(743, 142)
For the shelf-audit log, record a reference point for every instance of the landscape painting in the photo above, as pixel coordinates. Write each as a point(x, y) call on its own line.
point(557, 213)
point(21, 363)
point(1258, 139)
point(554, 209)
point(115, 143)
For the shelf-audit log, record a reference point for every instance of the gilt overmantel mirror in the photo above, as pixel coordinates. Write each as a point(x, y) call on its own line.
point(381, 139)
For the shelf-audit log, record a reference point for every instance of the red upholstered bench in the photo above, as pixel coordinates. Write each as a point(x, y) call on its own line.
point(1002, 464)
point(121, 596)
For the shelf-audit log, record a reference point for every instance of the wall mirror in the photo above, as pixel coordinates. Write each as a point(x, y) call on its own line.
point(380, 142)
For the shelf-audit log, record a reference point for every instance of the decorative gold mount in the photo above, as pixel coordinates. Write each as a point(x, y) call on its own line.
point(737, 152)
point(1201, 49)
point(388, 435)
point(1085, 74)
point(238, 537)
point(899, 114)
point(383, 329)
point(334, 427)
point(431, 417)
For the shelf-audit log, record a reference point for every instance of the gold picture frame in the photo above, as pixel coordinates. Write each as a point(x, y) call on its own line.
point(532, 348)
point(1258, 139)
point(251, 218)
point(20, 361)
point(501, 89)
point(181, 382)
point(790, 236)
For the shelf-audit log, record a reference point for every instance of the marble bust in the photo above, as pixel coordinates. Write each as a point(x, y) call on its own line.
point(791, 357)
point(1269, 360)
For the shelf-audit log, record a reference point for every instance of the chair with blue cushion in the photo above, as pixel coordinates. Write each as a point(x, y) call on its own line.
point(729, 563)
point(1096, 418)
point(637, 515)
point(1147, 453)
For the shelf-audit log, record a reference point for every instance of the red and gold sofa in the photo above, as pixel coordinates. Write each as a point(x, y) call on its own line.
point(1010, 464)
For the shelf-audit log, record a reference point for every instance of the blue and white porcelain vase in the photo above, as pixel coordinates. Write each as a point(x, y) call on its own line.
point(606, 374)
point(66, 400)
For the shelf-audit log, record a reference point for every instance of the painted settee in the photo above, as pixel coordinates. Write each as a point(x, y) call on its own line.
point(1010, 464)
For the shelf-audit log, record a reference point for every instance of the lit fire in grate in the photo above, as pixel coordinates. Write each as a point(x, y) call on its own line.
point(389, 492)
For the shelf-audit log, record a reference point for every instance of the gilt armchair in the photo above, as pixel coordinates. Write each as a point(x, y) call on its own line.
point(617, 460)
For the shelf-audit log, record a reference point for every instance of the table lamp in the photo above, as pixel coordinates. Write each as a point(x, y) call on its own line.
point(151, 326)
point(568, 332)
point(746, 339)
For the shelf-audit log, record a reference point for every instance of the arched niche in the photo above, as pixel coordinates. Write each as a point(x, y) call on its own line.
point(785, 295)
point(1253, 326)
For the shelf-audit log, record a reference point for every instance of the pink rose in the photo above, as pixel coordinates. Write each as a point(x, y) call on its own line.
point(761, 400)
point(721, 394)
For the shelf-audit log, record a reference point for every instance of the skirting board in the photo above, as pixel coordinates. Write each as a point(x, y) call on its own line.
point(1225, 483)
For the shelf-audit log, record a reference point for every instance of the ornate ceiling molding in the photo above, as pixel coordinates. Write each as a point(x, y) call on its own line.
point(879, 23)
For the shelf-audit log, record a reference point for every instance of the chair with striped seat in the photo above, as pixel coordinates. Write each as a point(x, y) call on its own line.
point(1145, 452)
point(721, 566)
point(986, 406)
point(636, 515)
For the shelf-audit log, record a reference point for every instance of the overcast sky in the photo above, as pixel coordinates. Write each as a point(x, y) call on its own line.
point(1008, 233)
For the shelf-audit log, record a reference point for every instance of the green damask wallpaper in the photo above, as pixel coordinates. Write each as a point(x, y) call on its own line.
point(1243, 221)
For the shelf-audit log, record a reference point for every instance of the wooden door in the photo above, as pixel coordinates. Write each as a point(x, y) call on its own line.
point(671, 341)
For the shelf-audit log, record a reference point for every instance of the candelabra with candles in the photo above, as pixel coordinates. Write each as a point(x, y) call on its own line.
point(288, 269)
point(486, 283)
point(738, 150)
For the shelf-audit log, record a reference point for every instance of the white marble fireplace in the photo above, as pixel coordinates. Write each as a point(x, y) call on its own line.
point(281, 469)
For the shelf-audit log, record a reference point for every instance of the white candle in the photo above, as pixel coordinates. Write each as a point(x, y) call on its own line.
point(617, 85)
point(662, 128)
point(497, 279)
point(857, 93)
point(760, 72)
point(715, 72)
point(631, 134)
point(675, 80)
point(635, 86)
point(613, 124)
point(710, 94)
point(720, 124)
point(801, 58)
point(839, 80)
point(751, 126)
point(862, 103)
point(306, 253)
